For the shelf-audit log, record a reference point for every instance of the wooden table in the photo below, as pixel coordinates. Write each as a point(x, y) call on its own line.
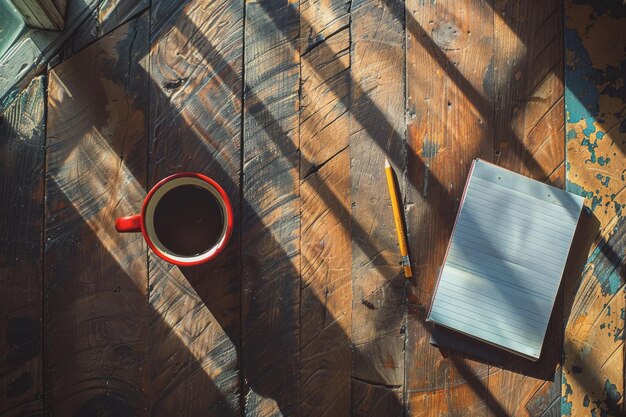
point(293, 106)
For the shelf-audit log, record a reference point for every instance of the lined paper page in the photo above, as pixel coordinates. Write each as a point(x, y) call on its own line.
point(505, 259)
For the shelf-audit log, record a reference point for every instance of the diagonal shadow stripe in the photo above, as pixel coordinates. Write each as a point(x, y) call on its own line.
point(481, 103)
point(228, 75)
point(117, 265)
point(289, 147)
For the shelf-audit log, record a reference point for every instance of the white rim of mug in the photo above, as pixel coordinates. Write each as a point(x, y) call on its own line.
point(151, 207)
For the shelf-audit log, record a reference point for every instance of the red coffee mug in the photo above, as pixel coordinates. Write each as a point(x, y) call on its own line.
point(192, 201)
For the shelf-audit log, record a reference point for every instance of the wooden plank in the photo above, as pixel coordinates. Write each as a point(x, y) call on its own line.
point(594, 334)
point(450, 96)
point(593, 368)
point(95, 279)
point(35, 49)
point(108, 15)
point(377, 131)
point(373, 400)
point(22, 143)
point(528, 87)
point(326, 286)
point(19, 57)
point(196, 71)
point(529, 113)
point(43, 14)
point(271, 216)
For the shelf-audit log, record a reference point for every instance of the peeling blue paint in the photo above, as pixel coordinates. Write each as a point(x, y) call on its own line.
point(604, 180)
point(586, 127)
point(612, 283)
point(578, 190)
point(571, 134)
point(595, 202)
point(612, 395)
point(566, 406)
point(612, 8)
point(581, 95)
point(590, 127)
point(591, 147)
point(619, 334)
point(607, 270)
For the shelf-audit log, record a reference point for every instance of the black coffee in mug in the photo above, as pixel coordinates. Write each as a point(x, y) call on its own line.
point(188, 220)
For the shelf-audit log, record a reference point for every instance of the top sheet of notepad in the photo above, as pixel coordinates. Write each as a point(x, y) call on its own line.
point(505, 259)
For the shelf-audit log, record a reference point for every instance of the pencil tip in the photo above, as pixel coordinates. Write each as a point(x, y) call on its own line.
point(387, 165)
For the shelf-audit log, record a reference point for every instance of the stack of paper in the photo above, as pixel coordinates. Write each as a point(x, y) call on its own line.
point(505, 259)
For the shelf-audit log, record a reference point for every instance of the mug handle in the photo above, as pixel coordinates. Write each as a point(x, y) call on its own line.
point(128, 224)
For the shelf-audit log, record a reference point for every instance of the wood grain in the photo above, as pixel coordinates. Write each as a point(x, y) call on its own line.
point(528, 86)
point(289, 320)
point(595, 103)
point(95, 279)
point(35, 48)
point(594, 335)
point(326, 285)
point(450, 96)
point(43, 14)
point(22, 143)
point(196, 70)
point(108, 15)
point(377, 131)
point(271, 217)
point(374, 400)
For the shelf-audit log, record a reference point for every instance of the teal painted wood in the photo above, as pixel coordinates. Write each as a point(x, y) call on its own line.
point(595, 99)
point(12, 25)
point(32, 51)
point(595, 103)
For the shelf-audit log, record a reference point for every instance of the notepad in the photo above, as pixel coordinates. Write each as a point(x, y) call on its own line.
point(505, 259)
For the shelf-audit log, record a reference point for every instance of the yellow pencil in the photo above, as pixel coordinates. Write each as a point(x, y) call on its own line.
point(397, 216)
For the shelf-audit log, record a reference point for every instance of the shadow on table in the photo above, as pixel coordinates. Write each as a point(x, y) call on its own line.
point(127, 371)
point(376, 400)
point(175, 364)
